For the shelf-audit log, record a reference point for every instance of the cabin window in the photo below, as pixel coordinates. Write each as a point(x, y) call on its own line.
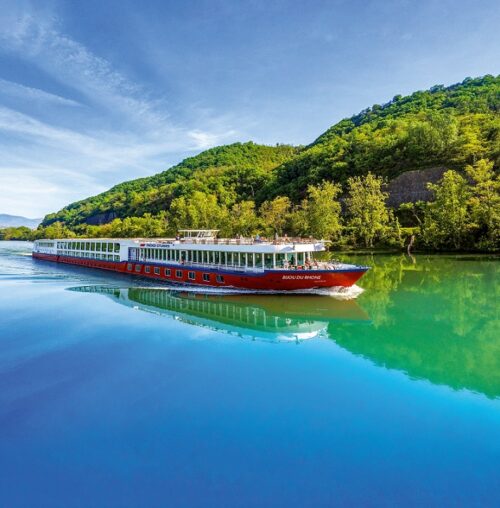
point(167, 272)
point(178, 273)
point(268, 260)
point(220, 278)
point(157, 271)
point(191, 275)
point(117, 247)
point(206, 277)
point(147, 269)
point(117, 258)
point(137, 268)
point(110, 247)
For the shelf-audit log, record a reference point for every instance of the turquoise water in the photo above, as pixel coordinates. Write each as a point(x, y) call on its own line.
point(116, 393)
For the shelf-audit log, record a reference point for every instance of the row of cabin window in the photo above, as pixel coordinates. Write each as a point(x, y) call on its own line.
point(178, 273)
point(90, 255)
point(89, 246)
point(45, 244)
point(223, 258)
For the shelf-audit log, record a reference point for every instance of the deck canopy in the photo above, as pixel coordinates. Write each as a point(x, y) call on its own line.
point(199, 233)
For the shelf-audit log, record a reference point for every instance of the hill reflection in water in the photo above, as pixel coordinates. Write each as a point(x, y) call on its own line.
point(276, 318)
point(433, 318)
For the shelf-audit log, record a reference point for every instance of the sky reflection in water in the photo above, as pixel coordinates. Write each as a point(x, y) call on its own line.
point(116, 394)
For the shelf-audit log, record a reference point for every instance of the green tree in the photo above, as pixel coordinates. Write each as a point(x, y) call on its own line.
point(275, 214)
point(369, 217)
point(446, 219)
point(322, 211)
point(485, 201)
point(16, 233)
point(198, 211)
point(243, 220)
point(54, 230)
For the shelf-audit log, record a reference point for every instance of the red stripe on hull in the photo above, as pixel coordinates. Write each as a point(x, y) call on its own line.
point(268, 280)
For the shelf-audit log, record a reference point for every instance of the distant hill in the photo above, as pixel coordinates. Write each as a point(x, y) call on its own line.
point(15, 221)
point(421, 134)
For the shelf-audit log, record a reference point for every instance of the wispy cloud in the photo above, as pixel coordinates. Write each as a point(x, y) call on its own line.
point(17, 90)
point(121, 132)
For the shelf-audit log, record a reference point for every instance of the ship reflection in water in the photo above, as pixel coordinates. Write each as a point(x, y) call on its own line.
point(274, 318)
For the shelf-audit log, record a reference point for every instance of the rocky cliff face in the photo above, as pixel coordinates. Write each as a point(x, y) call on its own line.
point(412, 186)
point(101, 218)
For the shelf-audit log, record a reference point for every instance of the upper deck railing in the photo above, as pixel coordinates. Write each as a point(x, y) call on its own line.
point(249, 241)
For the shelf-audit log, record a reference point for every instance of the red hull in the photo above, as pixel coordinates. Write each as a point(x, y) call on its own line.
point(268, 280)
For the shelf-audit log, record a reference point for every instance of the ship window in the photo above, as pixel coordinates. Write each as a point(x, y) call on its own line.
point(117, 247)
point(167, 272)
point(191, 275)
point(92, 246)
point(220, 278)
point(110, 247)
point(157, 271)
point(137, 268)
point(178, 273)
point(206, 277)
point(148, 269)
point(98, 246)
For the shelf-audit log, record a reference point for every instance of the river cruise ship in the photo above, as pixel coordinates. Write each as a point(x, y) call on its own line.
point(198, 257)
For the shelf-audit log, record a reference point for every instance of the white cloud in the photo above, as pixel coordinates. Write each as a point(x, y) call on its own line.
point(9, 88)
point(61, 155)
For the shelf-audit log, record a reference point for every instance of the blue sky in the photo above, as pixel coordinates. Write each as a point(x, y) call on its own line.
point(97, 92)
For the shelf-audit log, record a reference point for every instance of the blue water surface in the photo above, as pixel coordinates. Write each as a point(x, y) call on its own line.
point(117, 394)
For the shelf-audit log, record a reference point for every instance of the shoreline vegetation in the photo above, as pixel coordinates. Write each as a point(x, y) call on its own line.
point(337, 189)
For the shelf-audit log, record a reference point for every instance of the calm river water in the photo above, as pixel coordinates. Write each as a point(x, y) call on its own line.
point(117, 393)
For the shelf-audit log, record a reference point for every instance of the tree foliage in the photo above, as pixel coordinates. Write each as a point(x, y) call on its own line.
point(368, 214)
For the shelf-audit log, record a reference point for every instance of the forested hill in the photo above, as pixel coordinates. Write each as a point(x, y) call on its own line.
point(232, 173)
point(441, 127)
point(448, 127)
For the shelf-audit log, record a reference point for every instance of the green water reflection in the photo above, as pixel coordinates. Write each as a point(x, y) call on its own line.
point(273, 318)
point(434, 318)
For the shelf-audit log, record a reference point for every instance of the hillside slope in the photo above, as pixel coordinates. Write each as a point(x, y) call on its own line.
point(442, 127)
point(439, 128)
point(232, 172)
